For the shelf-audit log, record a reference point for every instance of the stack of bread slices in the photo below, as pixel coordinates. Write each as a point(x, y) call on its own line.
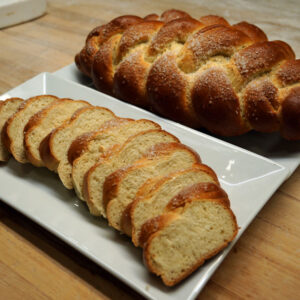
point(141, 178)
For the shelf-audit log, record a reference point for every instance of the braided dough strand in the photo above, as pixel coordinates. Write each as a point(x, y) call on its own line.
point(201, 73)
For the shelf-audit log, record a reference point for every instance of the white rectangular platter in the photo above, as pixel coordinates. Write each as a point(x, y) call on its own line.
point(248, 178)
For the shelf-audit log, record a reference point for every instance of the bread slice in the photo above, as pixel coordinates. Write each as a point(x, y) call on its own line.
point(80, 145)
point(133, 149)
point(120, 188)
point(149, 204)
point(56, 145)
point(13, 131)
point(54, 148)
point(43, 122)
point(89, 148)
point(197, 225)
point(7, 108)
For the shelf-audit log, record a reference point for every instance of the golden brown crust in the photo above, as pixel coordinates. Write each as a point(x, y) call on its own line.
point(173, 14)
point(110, 186)
point(157, 63)
point(261, 105)
point(152, 17)
point(153, 225)
point(212, 20)
point(129, 80)
point(289, 72)
point(84, 59)
point(165, 148)
point(126, 224)
point(290, 115)
point(102, 67)
point(145, 190)
point(111, 183)
point(31, 124)
point(204, 190)
point(211, 41)
point(261, 57)
point(3, 102)
point(98, 36)
point(86, 193)
point(134, 36)
point(130, 77)
point(36, 118)
point(252, 31)
point(171, 103)
point(6, 138)
point(46, 147)
point(79, 145)
point(152, 184)
point(49, 160)
point(196, 191)
point(149, 187)
point(217, 104)
point(35, 121)
point(176, 31)
point(85, 186)
point(3, 134)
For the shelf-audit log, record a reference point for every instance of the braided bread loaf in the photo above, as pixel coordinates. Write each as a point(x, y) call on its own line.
point(206, 73)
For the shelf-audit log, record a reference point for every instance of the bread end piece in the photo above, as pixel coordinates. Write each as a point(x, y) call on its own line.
point(7, 109)
point(13, 131)
point(183, 239)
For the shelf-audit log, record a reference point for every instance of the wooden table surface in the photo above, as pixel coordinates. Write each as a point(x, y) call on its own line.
point(34, 264)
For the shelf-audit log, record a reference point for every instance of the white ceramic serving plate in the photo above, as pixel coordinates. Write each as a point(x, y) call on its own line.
point(271, 146)
point(248, 178)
